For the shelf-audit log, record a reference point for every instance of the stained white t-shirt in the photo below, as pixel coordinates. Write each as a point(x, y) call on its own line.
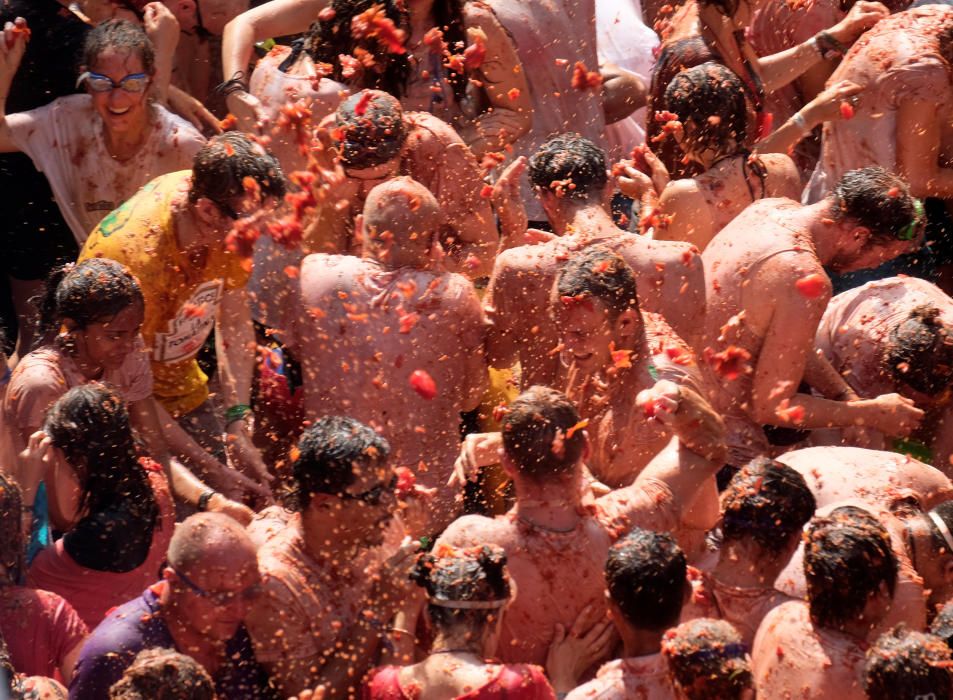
point(66, 142)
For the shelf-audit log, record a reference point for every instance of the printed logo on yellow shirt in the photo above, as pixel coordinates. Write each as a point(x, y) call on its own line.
point(190, 326)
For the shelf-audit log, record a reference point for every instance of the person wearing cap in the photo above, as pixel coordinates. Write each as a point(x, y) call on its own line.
point(377, 140)
point(468, 592)
point(767, 288)
point(894, 335)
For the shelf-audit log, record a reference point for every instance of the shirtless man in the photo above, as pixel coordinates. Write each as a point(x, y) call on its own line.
point(764, 509)
point(767, 290)
point(329, 588)
point(570, 179)
point(894, 335)
point(646, 587)
point(816, 649)
point(556, 546)
point(907, 497)
point(378, 141)
point(391, 340)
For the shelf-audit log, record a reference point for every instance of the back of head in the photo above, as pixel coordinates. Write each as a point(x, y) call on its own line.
point(464, 587)
point(11, 529)
point(847, 558)
point(599, 273)
point(332, 36)
point(906, 664)
point(90, 424)
point(879, 201)
point(920, 352)
point(222, 164)
point(327, 453)
point(92, 291)
point(401, 217)
point(767, 503)
point(570, 167)
point(541, 434)
point(371, 130)
point(202, 537)
point(163, 674)
point(645, 575)
point(122, 36)
point(708, 660)
point(709, 101)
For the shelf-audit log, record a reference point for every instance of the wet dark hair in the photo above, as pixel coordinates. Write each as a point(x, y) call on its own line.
point(374, 136)
point(119, 34)
point(326, 455)
point(920, 352)
point(477, 574)
point(847, 556)
point(876, 199)
point(645, 575)
point(163, 674)
point(942, 625)
point(767, 502)
point(570, 164)
point(327, 39)
point(708, 660)
point(597, 272)
point(90, 424)
point(709, 100)
point(93, 291)
point(908, 664)
point(11, 526)
point(535, 430)
point(222, 164)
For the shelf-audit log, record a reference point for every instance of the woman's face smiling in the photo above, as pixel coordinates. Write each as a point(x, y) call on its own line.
point(123, 113)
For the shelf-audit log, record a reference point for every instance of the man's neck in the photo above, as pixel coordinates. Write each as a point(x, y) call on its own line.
point(210, 653)
point(323, 544)
point(553, 507)
point(821, 230)
point(737, 567)
point(189, 231)
point(640, 642)
point(586, 219)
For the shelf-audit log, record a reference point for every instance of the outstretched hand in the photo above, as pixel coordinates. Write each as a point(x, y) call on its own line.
point(16, 34)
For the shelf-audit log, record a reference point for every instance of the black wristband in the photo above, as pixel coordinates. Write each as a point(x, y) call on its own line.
point(202, 503)
point(236, 83)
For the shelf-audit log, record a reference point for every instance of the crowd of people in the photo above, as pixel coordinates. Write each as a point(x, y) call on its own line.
point(476, 349)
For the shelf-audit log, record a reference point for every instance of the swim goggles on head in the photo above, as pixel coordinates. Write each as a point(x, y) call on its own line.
point(134, 82)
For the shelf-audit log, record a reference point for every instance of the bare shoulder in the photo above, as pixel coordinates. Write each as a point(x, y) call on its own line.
point(479, 14)
point(783, 180)
point(660, 255)
point(681, 195)
point(472, 530)
point(429, 130)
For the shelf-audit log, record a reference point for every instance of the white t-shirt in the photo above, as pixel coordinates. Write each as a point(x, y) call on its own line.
point(66, 142)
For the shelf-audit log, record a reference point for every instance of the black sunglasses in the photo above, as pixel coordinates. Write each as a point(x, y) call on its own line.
point(374, 495)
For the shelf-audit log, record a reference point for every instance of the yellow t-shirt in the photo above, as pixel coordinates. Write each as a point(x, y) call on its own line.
point(181, 299)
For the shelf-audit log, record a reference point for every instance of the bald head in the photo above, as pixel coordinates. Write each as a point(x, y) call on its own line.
point(400, 218)
point(209, 539)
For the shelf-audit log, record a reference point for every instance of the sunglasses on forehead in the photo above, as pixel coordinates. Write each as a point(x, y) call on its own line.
point(97, 82)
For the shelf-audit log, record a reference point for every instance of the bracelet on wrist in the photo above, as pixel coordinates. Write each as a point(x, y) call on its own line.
point(813, 43)
point(236, 83)
point(828, 46)
point(801, 123)
point(202, 503)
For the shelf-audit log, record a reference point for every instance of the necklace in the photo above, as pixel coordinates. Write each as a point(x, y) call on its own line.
point(537, 526)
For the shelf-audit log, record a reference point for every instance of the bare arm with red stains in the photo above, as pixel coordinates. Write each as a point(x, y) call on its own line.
point(780, 367)
point(510, 112)
point(12, 47)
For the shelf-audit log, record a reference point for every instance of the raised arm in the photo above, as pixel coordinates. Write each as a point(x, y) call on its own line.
point(12, 47)
point(510, 111)
point(777, 70)
point(275, 18)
